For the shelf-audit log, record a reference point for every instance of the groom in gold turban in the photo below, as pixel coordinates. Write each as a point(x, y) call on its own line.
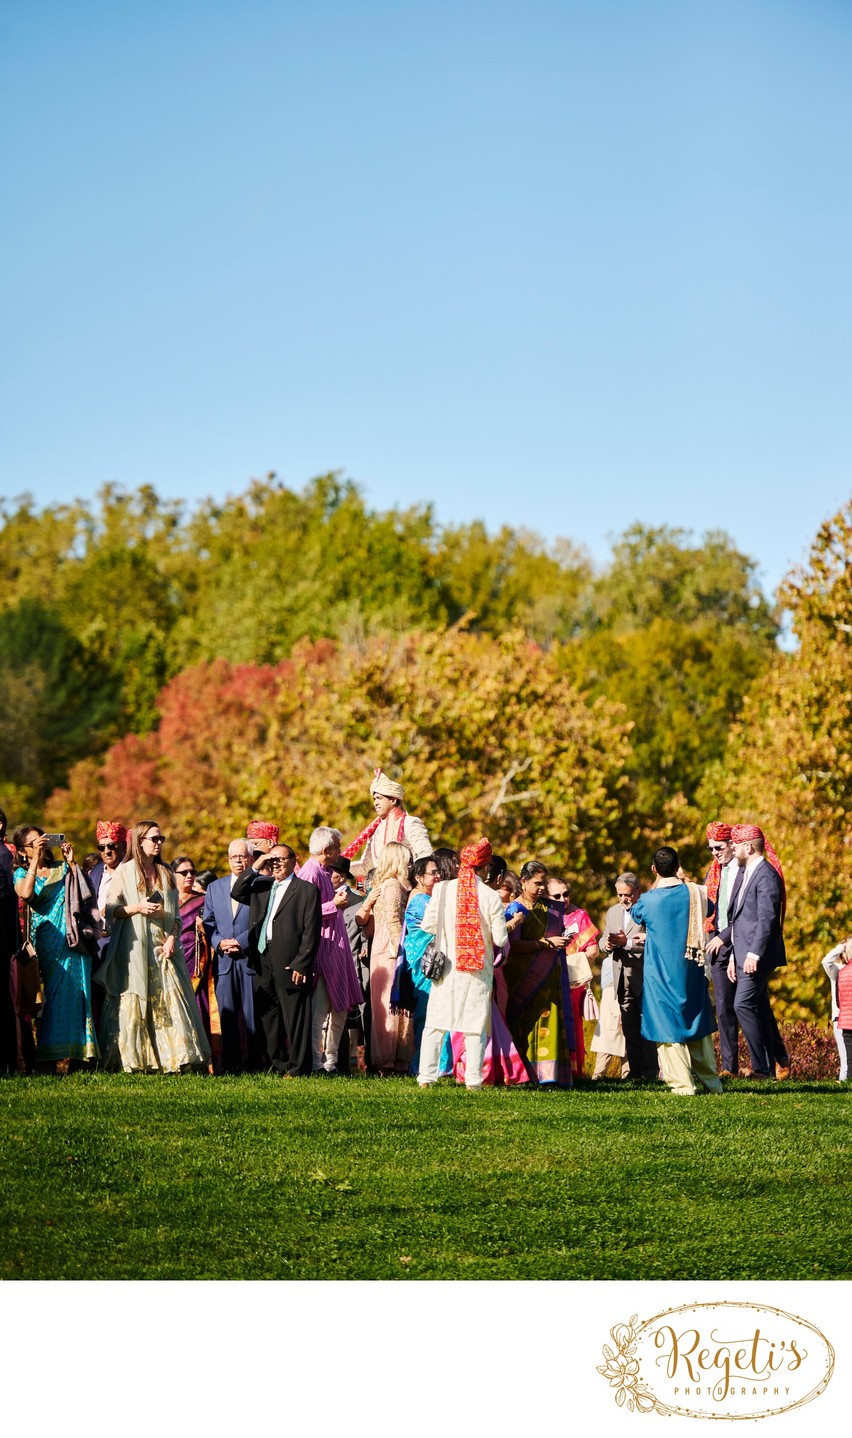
point(391, 825)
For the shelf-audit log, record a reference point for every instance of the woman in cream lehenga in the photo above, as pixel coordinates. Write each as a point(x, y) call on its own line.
point(150, 1021)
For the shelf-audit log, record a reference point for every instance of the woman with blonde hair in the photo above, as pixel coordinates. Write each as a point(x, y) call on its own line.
point(383, 912)
point(150, 1022)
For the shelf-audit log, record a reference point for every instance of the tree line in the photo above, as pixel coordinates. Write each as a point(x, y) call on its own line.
point(264, 653)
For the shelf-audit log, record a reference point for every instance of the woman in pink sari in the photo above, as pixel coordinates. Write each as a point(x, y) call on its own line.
point(391, 1034)
point(582, 936)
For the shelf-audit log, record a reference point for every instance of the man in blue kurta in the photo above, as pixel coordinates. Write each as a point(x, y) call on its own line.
point(676, 1011)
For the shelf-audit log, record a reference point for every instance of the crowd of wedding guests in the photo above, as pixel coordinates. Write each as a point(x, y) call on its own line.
point(390, 957)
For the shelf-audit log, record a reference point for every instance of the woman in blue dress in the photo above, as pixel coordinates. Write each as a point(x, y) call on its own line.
point(410, 988)
point(66, 1027)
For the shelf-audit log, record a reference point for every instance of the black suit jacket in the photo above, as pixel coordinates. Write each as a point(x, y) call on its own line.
point(9, 936)
point(754, 919)
point(295, 933)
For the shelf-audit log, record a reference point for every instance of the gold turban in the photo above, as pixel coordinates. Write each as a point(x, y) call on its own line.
point(383, 785)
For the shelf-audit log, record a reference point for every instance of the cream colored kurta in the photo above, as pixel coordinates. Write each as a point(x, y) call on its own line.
point(609, 1035)
point(150, 1021)
point(462, 1002)
point(414, 836)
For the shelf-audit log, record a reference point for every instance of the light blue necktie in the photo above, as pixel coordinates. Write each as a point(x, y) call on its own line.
point(722, 921)
point(264, 933)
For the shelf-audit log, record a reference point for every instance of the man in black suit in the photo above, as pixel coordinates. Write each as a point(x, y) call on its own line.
point(754, 939)
point(284, 933)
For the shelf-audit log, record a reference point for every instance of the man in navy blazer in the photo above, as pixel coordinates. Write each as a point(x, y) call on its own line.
point(753, 937)
point(226, 924)
point(112, 847)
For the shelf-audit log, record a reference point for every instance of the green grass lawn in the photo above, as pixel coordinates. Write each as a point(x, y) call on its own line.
point(108, 1176)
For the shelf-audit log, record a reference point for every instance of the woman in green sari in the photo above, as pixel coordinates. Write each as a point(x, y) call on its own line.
point(66, 1027)
point(150, 1021)
point(539, 1012)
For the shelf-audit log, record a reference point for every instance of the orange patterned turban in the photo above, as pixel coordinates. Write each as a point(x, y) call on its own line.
point(108, 830)
point(258, 830)
point(745, 833)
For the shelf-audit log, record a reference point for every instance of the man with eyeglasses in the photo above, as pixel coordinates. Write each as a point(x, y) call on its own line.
point(720, 883)
point(112, 846)
point(283, 937)
point(624, 939)
point(226, 924)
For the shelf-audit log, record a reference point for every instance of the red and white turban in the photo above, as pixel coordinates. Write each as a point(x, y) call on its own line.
point(717, 834)
point(257, 829)
point(108, 831)
point(470, 945)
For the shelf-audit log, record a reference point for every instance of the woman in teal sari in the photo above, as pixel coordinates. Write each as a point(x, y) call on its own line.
point(66, 1028)
point(411, 989)
point(538, 1009)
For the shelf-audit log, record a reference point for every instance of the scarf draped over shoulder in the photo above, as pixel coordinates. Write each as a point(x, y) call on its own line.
point(125, 965)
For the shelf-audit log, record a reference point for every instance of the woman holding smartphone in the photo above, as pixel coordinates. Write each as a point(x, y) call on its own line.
point(150, 1021)
point(66, 1028)
point(539, 1012)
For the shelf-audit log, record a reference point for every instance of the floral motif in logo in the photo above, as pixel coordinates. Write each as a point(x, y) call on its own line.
point(621, 1370)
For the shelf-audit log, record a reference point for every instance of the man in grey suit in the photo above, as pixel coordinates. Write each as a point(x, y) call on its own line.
point(624, 939)
point(753, 936)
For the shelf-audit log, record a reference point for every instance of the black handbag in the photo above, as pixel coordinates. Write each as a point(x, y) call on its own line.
point(434, 962)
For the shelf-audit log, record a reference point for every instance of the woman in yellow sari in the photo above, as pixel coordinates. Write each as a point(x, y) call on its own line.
point(539, 1011)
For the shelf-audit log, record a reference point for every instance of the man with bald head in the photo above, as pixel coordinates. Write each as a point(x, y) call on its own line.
point(226, 924)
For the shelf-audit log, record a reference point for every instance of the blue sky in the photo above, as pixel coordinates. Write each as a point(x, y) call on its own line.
point(566, 265)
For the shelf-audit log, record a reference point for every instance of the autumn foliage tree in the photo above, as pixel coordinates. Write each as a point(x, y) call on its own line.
point(788, 765)
point(487, 735)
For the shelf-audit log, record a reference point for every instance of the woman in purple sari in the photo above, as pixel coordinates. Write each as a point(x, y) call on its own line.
point(336, 987)
point(538, 1007)
point(196, 949)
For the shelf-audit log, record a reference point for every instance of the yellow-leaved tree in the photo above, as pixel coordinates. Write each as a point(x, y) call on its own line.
point(788, 765)
point(489, 736)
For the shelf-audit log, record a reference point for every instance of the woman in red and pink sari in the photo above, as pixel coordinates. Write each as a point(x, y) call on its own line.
point(582, 936)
